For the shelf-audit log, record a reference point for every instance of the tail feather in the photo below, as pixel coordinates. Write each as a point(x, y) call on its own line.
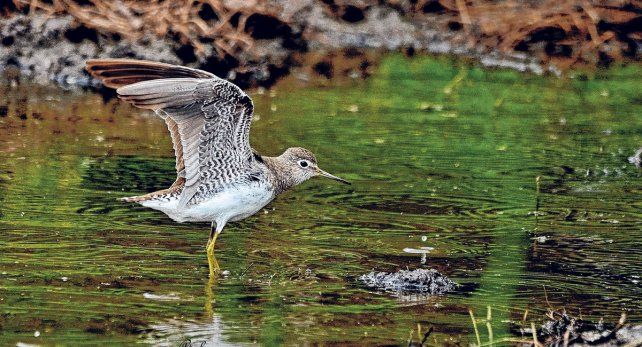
point(175, 189)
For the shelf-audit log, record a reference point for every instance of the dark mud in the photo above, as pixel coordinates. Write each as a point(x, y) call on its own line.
point(420, 281)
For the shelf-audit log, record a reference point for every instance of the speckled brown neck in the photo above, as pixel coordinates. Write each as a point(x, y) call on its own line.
point(281, 175)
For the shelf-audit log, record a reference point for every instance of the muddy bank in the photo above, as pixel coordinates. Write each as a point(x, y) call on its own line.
point(255, 43)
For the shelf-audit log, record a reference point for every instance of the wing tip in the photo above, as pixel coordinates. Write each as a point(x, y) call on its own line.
point(106, 70)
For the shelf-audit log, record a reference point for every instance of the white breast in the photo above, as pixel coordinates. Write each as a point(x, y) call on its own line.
point(231, 204)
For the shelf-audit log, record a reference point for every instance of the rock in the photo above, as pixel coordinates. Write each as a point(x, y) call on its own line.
point(55, 49)
point(382, 28)
point(409, 281)
point(584, 333)
point(636, 159)
point(630, 335)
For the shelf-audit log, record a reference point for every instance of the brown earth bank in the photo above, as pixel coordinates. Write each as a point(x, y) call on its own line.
point(256, 42)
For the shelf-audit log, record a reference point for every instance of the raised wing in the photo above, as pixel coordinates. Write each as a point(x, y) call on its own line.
point(208, 118)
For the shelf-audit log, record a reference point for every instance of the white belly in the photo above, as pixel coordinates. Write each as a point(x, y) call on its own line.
point(232, 204)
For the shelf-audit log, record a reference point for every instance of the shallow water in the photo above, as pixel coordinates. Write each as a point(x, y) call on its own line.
point(441, 154)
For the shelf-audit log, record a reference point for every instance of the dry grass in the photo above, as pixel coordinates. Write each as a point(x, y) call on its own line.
point(133, 19)
point(567, 32)
point(578, 29)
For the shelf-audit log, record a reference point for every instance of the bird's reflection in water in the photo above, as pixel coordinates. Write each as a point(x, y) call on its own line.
point(175, 332)
point(209, 287)
point(209, 332)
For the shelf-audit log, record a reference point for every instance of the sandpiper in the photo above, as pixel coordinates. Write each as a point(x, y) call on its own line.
point(220, 178)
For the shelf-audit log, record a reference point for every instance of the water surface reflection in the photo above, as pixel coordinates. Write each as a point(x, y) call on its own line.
point(435, 164)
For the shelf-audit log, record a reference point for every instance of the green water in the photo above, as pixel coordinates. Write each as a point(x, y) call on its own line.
point(441, 154)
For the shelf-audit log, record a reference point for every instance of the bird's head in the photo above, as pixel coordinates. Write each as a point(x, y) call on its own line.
point(303, 165)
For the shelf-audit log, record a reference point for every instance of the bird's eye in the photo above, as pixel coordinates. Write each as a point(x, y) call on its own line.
point(303, 163)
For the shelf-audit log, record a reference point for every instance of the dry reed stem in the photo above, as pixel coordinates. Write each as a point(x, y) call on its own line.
point(472, 317)
point(535, 341)
point(489, 326)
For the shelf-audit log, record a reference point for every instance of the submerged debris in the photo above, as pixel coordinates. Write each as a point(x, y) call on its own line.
point(636, 159)
point(565, 330)
point(409, 281)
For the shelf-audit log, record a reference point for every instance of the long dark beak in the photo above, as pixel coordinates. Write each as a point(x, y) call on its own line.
point(331, 176)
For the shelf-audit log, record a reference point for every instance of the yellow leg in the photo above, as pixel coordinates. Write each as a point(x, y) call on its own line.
point(214, 268)
point(211, 283)
point(211, 259)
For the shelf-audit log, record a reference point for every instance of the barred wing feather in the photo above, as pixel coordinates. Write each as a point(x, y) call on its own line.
point(208, 118)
